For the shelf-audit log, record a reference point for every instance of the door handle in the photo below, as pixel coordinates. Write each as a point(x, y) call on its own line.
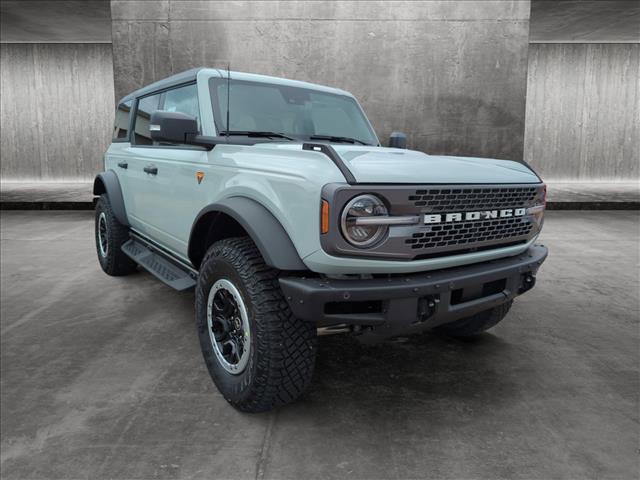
point(152, 169)
point(123, 165)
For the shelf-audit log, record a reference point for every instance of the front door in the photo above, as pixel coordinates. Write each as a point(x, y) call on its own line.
point(165, 176)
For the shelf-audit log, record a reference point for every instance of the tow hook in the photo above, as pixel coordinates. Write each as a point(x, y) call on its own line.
point(528, 282)
point(426, 308)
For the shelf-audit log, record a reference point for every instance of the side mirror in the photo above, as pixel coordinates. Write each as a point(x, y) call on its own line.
point(398, 140)
point(172, 127)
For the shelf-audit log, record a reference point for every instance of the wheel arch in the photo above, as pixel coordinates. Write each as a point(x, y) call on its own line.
point(107, 182)
point(237, 216)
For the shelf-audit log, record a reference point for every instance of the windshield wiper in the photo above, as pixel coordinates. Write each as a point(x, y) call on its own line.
point(331, 138)
point(255, 134)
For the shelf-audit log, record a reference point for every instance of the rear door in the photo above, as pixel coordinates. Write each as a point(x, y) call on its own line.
point(117, 156)
point(166, 175)
point(139, 156)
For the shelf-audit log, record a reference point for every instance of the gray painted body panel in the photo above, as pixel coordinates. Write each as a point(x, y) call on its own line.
point(287, 181)
point(371, 164)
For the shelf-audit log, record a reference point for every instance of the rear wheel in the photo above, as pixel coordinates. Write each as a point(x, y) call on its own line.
point(110, 235)
point(257, 353)
point(476, 324)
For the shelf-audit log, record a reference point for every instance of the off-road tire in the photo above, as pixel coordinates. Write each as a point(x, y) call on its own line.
point(476, 324)
point(282, 348)
point(115, 262)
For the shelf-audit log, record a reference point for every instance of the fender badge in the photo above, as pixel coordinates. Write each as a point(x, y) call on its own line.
point(199, 177)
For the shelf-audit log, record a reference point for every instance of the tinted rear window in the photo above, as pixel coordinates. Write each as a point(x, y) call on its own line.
point(146, 106)
point(121, 124)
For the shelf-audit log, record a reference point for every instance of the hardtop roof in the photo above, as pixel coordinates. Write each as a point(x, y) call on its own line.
point(190, 76)
point(173, 80)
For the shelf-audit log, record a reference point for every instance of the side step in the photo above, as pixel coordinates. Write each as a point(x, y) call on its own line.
point(160, 265)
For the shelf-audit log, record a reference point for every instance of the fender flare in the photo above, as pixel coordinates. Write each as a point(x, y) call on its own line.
point(107, 182)
point(265, 230)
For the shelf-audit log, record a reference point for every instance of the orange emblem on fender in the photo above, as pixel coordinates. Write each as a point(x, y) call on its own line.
point(199, 177)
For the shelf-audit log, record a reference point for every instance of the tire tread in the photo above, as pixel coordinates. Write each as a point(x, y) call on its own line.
point(285, 345)
point(117, 263)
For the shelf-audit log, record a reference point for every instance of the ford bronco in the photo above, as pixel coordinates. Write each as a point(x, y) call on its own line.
point(274, 199)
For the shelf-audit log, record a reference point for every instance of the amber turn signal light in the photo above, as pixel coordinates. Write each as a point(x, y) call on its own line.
point(324, 217)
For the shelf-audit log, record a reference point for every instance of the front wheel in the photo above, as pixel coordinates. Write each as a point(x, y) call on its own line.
point(257, 353)
point(476, 324)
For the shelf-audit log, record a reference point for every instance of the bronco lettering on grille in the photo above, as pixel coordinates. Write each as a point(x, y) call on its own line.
point(432, 218)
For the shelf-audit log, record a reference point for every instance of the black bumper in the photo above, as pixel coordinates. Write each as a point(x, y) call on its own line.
point(405, 304)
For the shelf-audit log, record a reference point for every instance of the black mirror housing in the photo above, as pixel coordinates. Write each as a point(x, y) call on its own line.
point(172, 127)
point(398, 140)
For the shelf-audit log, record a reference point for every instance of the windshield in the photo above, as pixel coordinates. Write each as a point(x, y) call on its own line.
point(292, 111)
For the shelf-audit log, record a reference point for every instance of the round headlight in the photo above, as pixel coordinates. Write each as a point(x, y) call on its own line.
point(363, 206)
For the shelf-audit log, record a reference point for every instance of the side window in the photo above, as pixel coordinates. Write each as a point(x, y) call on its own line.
point(121, 124)
point(146, 106)
point(183, 100)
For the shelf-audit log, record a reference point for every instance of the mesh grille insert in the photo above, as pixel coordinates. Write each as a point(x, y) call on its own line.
point(462, 233)
point(461, 199)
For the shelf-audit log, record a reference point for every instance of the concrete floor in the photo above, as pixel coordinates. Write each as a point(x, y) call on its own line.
point(102, 377)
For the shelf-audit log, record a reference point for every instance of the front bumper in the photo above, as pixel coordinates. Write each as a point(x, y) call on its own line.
point(406, 304)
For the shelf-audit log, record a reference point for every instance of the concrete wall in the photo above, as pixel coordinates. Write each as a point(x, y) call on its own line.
point(583, 111)
point(452, 75)
point(56, 110)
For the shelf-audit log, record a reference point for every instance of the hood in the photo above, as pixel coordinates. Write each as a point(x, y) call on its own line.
point(394, 165)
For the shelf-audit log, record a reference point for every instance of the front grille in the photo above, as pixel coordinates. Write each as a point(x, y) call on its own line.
point(470, 235)
point(453, 219)
point(463, 233)
point(459, 199)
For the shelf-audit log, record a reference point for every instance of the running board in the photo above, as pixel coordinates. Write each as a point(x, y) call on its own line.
point(160, 265)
